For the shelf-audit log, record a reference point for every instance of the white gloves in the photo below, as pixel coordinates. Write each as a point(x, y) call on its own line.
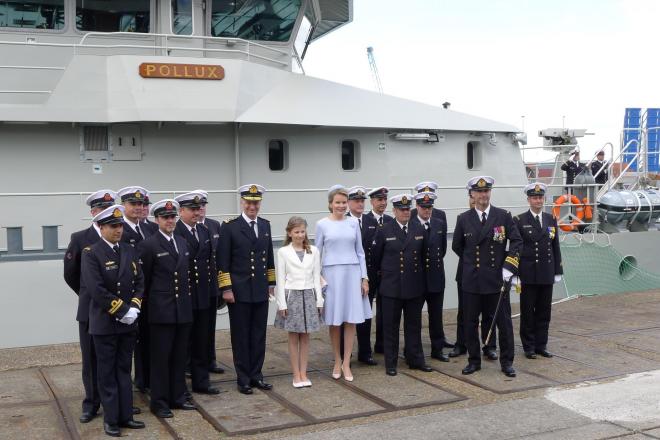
point(557, 278)
point(130, 316)
point(506, 274)
point(515, 280)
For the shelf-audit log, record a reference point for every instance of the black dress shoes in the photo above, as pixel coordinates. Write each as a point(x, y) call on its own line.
point(210, 390)
point(261, 385)
point(368, 361)
point(509, 371)
point(425, 368)
point(544, 353)
point(530, 355)
point(439, 355)
point(457, 351)
point(132, 424)
point(245, 389)
point(490, 355)
point(216, 369)
point(111, 430)
point(87, 417)
point(471, 368)
point(186, 406)
point(390, 371)
point(163, 413)
point(446, 344)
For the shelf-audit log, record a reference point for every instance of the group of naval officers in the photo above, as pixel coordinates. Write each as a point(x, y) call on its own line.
point(150, 290)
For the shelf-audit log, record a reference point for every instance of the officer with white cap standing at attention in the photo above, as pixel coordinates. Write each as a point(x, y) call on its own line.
point(247, 281)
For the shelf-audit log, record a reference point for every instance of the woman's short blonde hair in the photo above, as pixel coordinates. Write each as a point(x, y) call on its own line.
point(333, 193)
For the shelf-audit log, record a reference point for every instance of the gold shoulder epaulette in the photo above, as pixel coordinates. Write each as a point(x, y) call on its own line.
point(230, 219)
point(87, 248)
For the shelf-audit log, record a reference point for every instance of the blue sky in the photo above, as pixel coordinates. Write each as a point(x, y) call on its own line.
point(582, 61)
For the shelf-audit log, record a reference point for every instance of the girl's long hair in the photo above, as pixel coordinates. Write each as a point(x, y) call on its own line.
point(295, 222)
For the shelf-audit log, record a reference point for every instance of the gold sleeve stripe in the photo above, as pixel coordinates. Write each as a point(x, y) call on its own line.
point(271, 275)
point(137, 301)
point(115, 305)
point(513, 261)
point(224, 279)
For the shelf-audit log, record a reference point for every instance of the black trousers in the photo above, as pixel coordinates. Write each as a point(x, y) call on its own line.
point(248, 339)
point(213, 315)
point(142, 350)
point(434, 306)
point(476, 304)
point(92, 400)
point(378, 343)
point(199, 349)
point(169, 344)
point(485, 325)
point(535, 310)
point(114, 354)
point(412, 329)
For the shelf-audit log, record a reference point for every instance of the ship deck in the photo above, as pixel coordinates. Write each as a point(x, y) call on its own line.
point(597, 342)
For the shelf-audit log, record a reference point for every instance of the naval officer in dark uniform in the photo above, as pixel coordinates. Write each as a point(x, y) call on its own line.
point(398, 252)
point(133, 200)
point(145, 223)
point(203, 286)
point(247, 281)
point(112, 276)
point(368, 227)
point(572, 167)
point(540, 267)
point(378, 200)
point(432, 187)
point(596, 166)
point(97, 202)
point(216, 302)
point(435, 226)
point(164, 258)
point(480, 240)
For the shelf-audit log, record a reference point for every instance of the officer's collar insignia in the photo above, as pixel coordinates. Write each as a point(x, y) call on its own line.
point(107, 197)
point(138, 195)
point(481, 183)
point(116, 213)
point(253, 189)
point(196, 199)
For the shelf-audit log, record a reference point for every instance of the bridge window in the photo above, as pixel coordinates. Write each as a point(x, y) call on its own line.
point(110, 16)
point(473, 155)
point(350, 157)
point(278, 154)
point(182, 17)
point(265, 20)
point(35, 14)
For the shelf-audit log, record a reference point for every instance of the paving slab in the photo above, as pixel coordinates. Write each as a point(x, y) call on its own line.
point(645, 340)
point(236, 413)
point(33, 422)
point(65, 380)
point(558, 369)
point(327, 399)
point(94, 429)
point(491, 378)
point(591, 431)
point(22, 386)
point(654, 432)
point(275, 363)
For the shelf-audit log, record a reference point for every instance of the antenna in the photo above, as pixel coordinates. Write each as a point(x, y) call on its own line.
point(374, 69)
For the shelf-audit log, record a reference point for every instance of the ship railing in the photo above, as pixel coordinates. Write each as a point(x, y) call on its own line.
point(51, 249)
point(611, 183)
point(557, 177)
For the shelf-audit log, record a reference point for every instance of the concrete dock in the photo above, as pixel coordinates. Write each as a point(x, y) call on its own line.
point(603, 382)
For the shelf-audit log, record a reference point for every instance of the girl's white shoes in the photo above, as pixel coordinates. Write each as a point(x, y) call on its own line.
point(304, 383)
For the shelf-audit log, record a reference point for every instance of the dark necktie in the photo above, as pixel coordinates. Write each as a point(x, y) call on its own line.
point(116, 249)
point(137, 229)
point(405, 230)
point(380, 221)
point(483, 218)
point(360, 222)
point(537, 219)
point(194, 233)
point(427, 225)
point(254, 230)
point(172, 246)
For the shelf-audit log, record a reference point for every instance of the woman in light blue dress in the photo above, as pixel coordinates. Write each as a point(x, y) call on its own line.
point(344, 269)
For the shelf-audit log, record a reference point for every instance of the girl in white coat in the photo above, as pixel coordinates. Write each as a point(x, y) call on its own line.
point(299, 298)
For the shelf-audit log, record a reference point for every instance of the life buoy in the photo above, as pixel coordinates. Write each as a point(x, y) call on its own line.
point(588, 210)
point(579, 212)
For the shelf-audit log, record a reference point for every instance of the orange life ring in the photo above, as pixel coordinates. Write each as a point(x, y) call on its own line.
point(588, 210)
point(579, 211)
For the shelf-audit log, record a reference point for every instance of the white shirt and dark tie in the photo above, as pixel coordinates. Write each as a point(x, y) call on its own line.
point(538, 218)
point(425, 223)
point(252, 223)
point(171, 241)
point(483, 215)
point(134, 226)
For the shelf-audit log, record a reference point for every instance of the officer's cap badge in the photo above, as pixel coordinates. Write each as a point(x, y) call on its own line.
point(426, 189)
point(481, 183)
point(426, 198)
point(138, 195)
point(196, 199)
point(360, 193)
point(404, 200)
point(107, 197)
point(169, 206)
point(116, 213)
point(537, 188)
point(253, 189)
